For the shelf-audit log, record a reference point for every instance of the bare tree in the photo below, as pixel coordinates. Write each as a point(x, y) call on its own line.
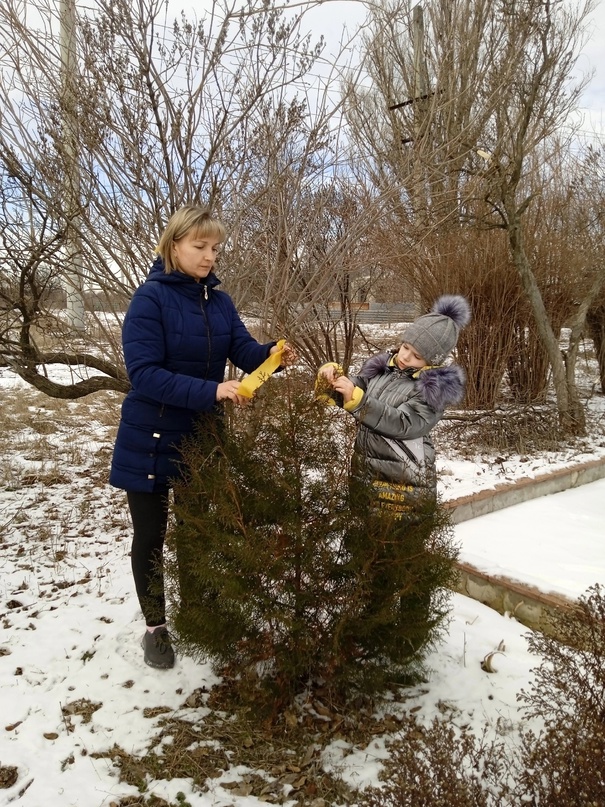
point(585, 199)
point(499, 89)
point(216, 111)
point(532, 110)
point(32, 336)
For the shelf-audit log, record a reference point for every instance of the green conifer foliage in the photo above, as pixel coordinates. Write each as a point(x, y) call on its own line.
point(278, 565)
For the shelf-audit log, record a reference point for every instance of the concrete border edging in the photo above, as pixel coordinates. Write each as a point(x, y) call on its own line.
point(526, 604)
point(523, 602)
point(523, 490)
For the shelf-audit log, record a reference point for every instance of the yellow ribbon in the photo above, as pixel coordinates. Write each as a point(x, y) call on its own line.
point(252, 382)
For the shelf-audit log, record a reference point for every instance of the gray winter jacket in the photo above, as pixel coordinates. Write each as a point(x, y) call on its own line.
point(396, 414)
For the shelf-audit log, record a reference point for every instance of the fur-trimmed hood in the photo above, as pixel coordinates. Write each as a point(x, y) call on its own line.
point(439, 386)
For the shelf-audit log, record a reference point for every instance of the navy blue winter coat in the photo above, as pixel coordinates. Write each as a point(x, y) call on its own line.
point(178, 334)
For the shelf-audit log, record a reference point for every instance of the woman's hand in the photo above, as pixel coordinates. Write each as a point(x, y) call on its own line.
point(227, 391)
point(289, 355)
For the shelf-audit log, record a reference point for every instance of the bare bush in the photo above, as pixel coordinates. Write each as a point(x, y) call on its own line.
point(439, 766)
point(564, 763)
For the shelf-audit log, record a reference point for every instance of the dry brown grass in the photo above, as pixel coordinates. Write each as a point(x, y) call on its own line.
point(42, 438)
point(282, 755)
point(281, 758)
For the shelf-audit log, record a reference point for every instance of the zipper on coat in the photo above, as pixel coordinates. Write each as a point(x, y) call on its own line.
point(401, 448)
point(409, 453)
point(207, 330)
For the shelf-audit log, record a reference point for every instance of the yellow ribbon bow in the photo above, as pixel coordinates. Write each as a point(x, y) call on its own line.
point(252, 382)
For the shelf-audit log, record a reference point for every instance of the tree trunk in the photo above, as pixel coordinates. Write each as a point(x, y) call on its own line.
point(578, 326)
point(571, 413)
point(595, 321)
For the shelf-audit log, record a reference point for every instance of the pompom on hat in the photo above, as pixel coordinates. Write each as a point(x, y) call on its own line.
point(435, 334)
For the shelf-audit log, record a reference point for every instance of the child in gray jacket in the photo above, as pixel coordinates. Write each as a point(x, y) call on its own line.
point(398, 397)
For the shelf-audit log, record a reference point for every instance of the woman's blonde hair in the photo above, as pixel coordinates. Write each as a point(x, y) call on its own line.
point(187, 219)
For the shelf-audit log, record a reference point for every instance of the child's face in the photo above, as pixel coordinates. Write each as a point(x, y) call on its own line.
point(409, 357)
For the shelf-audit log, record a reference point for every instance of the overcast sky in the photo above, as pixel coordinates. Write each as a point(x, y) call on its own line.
point(592, 59)
point(334, 14)
point(333, 18)
point(337, 20)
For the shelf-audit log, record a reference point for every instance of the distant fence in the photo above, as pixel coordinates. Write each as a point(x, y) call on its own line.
point(379, 313)
point(365, 313)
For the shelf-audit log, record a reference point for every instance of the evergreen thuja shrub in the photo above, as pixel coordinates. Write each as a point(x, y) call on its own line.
point(276, 571)
point(565, 763)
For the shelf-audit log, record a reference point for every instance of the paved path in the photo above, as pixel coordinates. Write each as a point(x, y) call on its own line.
point(555, 543)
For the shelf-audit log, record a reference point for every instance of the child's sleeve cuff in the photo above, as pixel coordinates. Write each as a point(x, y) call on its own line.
point(355, 400)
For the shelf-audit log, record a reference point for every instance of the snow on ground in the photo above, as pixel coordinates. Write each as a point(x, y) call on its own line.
point(70, 627)
point(555, 543)
point(71, 634)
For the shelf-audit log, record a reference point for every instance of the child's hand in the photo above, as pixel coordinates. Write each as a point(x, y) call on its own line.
point(345, 386)
point(327, 375)
point(330, 372)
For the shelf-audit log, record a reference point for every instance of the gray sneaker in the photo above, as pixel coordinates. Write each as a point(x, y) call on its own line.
point(158, 650)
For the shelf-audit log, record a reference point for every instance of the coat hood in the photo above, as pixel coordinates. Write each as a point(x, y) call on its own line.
point(439, 386)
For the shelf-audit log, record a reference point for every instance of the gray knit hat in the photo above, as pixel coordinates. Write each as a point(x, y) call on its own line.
point(434, 335)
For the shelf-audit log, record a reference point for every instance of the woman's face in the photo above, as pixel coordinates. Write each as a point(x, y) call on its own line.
point(194, 255)
point(409, 357)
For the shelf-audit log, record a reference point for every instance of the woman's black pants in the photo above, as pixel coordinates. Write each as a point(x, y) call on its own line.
point(149, 513)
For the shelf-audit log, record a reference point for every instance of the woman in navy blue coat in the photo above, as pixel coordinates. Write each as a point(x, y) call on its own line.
point(179, 332)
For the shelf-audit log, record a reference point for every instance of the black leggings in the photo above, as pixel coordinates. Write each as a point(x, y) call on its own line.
point(149, 513)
